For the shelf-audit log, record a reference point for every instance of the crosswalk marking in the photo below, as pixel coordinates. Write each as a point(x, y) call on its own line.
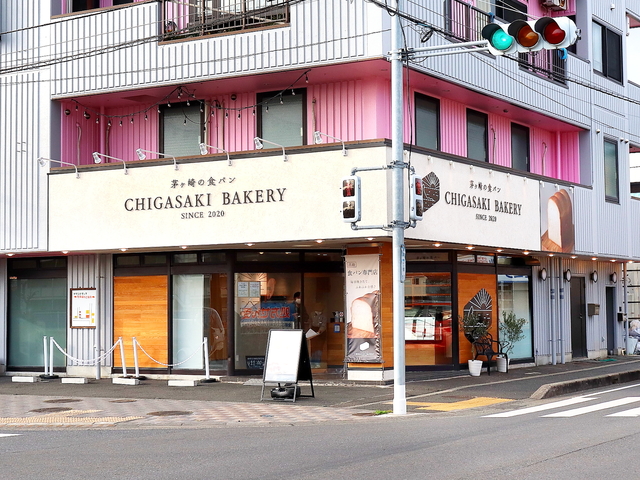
point(634, 412)
point(595, 408)
point(541, 408)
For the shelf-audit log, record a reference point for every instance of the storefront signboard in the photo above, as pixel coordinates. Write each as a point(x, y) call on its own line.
point(476, 205)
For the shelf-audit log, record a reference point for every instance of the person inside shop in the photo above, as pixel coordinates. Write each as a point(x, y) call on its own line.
point(301, 315)
point(634, 332)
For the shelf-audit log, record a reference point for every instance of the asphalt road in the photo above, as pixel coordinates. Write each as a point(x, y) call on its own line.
point(524, 439)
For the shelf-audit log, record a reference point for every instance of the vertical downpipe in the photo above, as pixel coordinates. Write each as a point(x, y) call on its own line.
point(561, 310)
point(553, 308)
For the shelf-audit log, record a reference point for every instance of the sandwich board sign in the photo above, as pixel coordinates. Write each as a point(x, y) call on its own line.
point(287, 361)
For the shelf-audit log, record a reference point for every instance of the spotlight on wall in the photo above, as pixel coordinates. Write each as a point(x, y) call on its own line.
point(96, 158)
point(259, 146)
point(42, 161)
point(141, 156)
point(317, 139)
point(542, 274)
point(204, 150)
point(594, 276)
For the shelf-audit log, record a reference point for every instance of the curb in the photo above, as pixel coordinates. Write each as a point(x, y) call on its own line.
point(571, 386)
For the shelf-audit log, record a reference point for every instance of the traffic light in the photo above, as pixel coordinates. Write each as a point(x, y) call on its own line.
point(530, 36)
point(416, 207)
point(351, 211)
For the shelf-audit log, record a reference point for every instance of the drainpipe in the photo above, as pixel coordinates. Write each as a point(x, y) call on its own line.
point(626, 308)
point(561, 310)
point(552, 318)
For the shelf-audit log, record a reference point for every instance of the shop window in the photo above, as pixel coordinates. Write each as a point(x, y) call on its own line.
point(520, 147)
point(607, 52)
point(427, 122)
point(218, 258)
point(181, 258)
point(199, 310)
point(477, 136)
point(181, 129)
point(427, 256)
point(513, 297)
point(37, 297)
point(281, 118)
point(507, 10)
point(266, 256)
point(428, 319)
point(263, 301)
point(323, 257)
point(611, 187)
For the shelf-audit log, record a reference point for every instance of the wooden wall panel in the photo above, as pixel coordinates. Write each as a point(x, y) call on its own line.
point(140, 310)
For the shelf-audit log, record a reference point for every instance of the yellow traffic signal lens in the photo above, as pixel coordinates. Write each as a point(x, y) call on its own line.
point(527, 37)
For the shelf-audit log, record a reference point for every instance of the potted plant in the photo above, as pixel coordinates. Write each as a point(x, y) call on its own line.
point(511, 332)
point(473, 328)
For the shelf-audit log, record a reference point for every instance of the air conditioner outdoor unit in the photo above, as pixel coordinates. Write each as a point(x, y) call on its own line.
point(555, 4)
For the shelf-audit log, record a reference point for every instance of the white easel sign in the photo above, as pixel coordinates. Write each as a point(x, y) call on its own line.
point(83, 307)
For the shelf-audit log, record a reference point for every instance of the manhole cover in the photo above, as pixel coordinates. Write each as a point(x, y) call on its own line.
point(169, 413)
point(124, 400)
point(51, 410)
point(63, 400)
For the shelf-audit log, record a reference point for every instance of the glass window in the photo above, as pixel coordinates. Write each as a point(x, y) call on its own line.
point(263, 301)
point(611, 191)
point(510, 10)
point(513, 298)
point(427, 314)
point(214, 257)
point(127, 260)
point(199, 311)
point(520, 147)
point(485, 259)
point(427, 122)
point(466, 258)
point(37, 308)
point(179, 258)
point(155, 259)
point(477, 136)
point(181, 129)
point(607, 52)
point(282, 118)
point(323, 257)
point(253, 256)
point(82, 5)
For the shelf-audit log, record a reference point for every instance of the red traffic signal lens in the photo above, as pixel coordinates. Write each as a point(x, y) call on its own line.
point(527, 37)
point(553, 33)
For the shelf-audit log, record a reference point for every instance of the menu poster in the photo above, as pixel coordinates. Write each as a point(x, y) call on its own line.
point(84, 303)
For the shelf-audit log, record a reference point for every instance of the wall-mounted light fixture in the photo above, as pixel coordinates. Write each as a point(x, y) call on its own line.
point(567, 275)
point(97, 159)
point(42, 161)
point(317, 138)
point(142, 156)
point(613, 277)
point(259, 146)
point(542, 274)
point(204, 150)
point(594, 277)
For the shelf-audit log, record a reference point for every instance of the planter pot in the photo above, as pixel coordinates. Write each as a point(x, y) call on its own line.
point(503, 364)
point(475, 367)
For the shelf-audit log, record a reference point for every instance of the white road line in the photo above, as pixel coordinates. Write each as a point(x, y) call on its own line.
point(634, 412)
point(10, 434)
point(594, 408)
point(615, 389)
point(541, 408)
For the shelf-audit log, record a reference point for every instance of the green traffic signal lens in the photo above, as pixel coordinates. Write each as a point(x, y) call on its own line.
point(500, 40)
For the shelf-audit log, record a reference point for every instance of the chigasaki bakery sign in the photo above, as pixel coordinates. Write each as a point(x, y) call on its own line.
point(478, 205)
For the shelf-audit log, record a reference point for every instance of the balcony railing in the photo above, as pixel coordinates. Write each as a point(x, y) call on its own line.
point(465, 22)
point(194, 18)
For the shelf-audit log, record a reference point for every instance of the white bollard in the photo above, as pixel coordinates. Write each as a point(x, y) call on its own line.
point(46, 355)
point(124, 367)
point(206, 358)
point(135, 357)
point(51, 356)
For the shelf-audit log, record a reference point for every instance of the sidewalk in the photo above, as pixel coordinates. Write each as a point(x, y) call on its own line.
point(236, 400)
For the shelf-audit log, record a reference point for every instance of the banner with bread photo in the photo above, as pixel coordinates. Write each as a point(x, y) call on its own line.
point(363, 308)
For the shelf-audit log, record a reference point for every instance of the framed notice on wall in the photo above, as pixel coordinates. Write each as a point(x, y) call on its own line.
point(83, 307)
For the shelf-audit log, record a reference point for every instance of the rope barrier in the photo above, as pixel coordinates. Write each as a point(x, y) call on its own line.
point(89, 362)
point(158, 362)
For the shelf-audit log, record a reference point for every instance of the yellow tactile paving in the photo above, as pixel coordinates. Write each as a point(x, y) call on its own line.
point(461, 405)
point(70, 416)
